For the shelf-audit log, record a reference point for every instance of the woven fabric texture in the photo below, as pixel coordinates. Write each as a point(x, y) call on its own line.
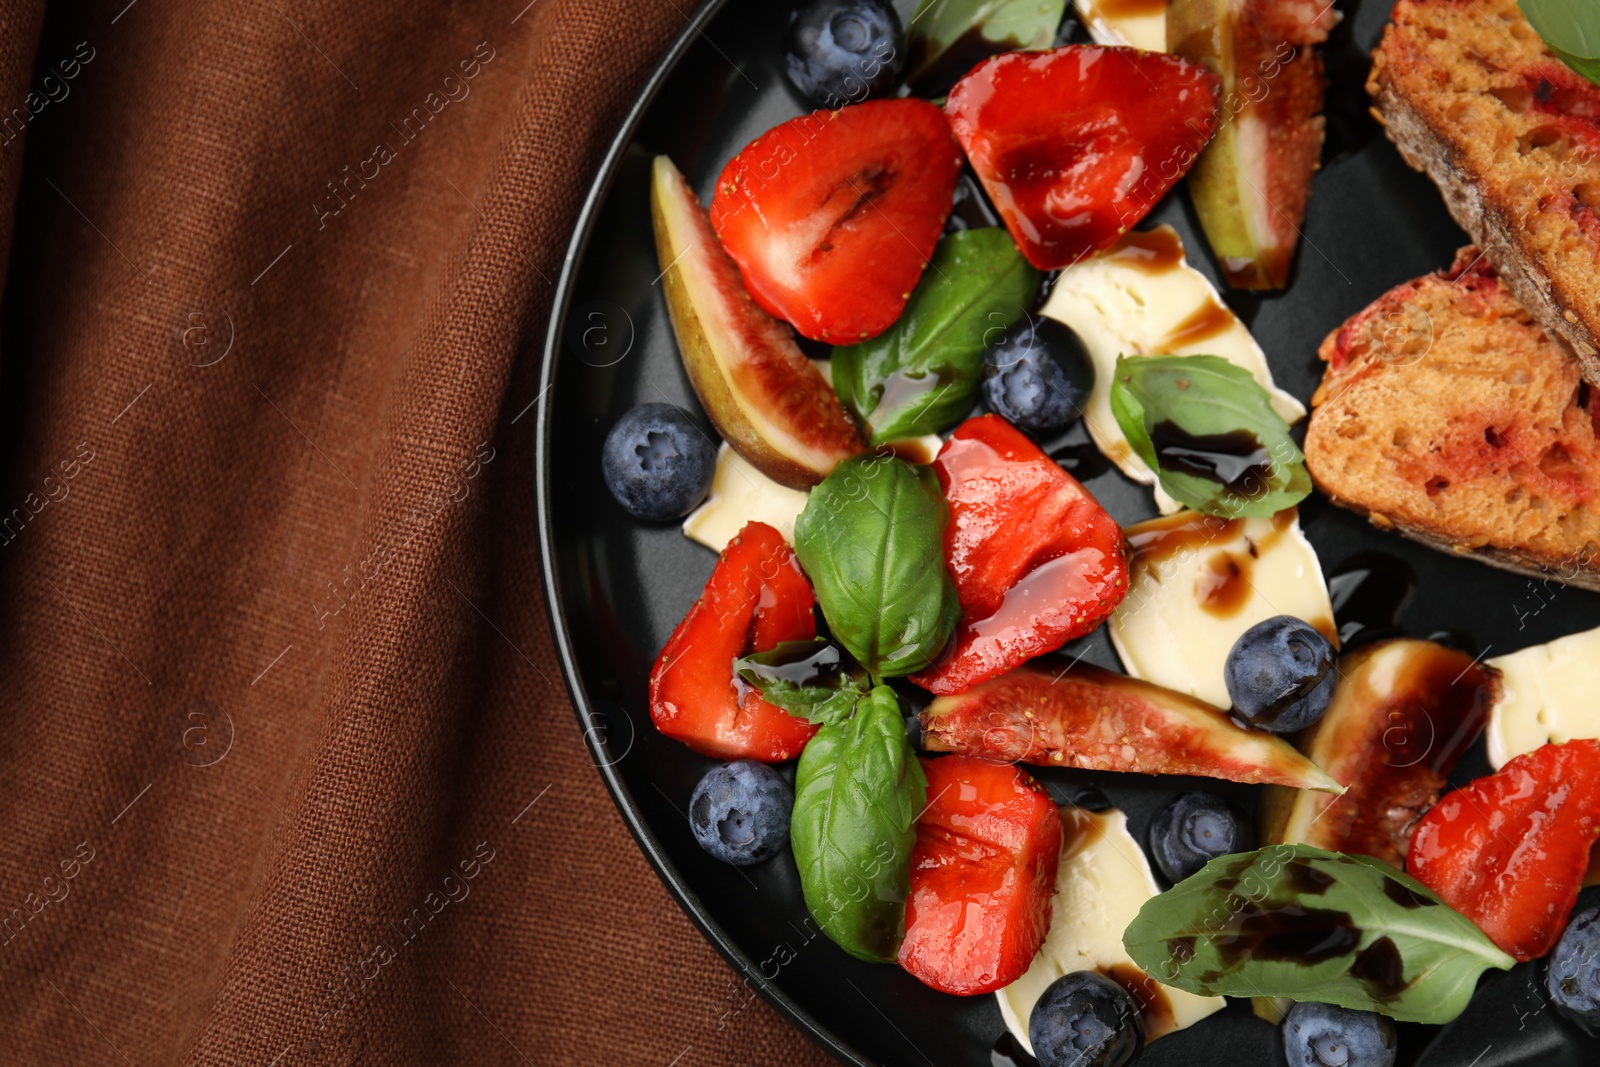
point(289, 774)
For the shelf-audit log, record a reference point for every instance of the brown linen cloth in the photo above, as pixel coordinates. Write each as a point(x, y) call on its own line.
point(289, 774)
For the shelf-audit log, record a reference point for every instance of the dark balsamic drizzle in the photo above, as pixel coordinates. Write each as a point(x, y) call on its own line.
point(1236, 460)
point(1368, 591)
point(1380, 969)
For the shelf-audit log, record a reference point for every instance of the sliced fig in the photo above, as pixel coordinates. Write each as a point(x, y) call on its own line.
point(1252, 182)
point(1404, 712)
point(764, 396)
point(1093, 719)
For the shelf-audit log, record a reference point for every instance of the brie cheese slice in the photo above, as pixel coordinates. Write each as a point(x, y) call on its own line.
point(1196, 582)
point(1140, 298)
point(1101, 883)
point(1137, 23)
point(741, 494)
point(1547, 693)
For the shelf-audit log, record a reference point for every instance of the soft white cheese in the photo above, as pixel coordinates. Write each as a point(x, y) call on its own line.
point(1101, 883)
point(1140, 298)
point(1547, 693)
point(741, 494)
point(1139, 25)
point(1197, 582)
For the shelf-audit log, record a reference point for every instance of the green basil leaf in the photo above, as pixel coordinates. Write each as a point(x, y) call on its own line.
point(949, 37)
point(857, 793)
point(1572, 30)
point(1571, 25)
point(1189, 417)
point(1298, 921)
point(871, 539)
point(811, 680)
point(1588, 66)
point(921, 375)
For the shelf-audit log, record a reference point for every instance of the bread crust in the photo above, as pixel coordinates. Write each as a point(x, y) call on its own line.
point(1409, 108)
point(1447, 415)
point(1517, 562)
point(1425, 150)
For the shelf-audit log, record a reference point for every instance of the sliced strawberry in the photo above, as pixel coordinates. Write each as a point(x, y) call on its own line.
point(1510, 851)
point(1036, 560)
point(1095, 720)
point(833, 215)
point(757, 597)
point(1077, 144)
point(983, 872)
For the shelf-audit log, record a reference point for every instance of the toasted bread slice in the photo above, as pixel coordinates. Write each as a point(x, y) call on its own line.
point(1447, 414)
point(1511, 135)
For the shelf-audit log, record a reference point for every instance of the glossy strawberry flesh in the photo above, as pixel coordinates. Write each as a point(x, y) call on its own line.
point(1036, 560)
point(1077, 144)
point(832, 216)
point(1510, 851)
point(1093, 719)
point(756, 598)
point(982, 876)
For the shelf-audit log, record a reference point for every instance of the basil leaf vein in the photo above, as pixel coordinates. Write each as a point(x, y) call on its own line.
point(858, 791)
point(1297, 921)
point(811, 680)
point(871, 538)
point(1571, 29)
point(1206, 396)
point(921, 375)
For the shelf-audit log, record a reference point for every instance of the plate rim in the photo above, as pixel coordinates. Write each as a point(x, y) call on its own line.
point(555, 608)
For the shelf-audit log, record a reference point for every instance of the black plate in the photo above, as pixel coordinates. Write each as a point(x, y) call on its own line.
point(617, 587)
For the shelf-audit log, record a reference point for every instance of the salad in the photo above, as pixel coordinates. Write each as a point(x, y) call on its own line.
point(900, 561)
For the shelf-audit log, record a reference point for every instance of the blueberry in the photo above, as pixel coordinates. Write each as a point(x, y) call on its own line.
point(657, 462)
point(1192, 831)
point(740, 812)
point(1084, 1019)
point(1280, 674)
point(840, 52)
point(1572, 972)
point(1037, 376)
point(914, 731)
point(1324, 1035)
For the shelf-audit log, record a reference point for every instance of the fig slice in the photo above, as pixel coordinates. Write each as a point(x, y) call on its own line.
point(763, 395)
point(1093, 719)
point(1252, 182)
point(1404, 713)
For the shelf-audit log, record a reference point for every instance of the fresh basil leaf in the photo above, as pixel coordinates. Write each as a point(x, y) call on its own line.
point(1588, 66)
point(871, 539)
point(1207, 428)
point(1570, 25)
point(1298, 921)
point(857, 793)
point(1571, 28)
point(921, 375)
point(949, 37)
point(811, 680)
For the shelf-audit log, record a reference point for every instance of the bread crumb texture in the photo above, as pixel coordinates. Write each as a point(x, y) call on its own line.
point(1446, 411)
point(1520, 126)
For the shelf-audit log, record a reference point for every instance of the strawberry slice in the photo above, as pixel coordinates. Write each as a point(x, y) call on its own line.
point(757, 597)
point(1036, 560)
point(1077, 144)
point(833, 215)
point(1510, 851)
point(983, 872)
